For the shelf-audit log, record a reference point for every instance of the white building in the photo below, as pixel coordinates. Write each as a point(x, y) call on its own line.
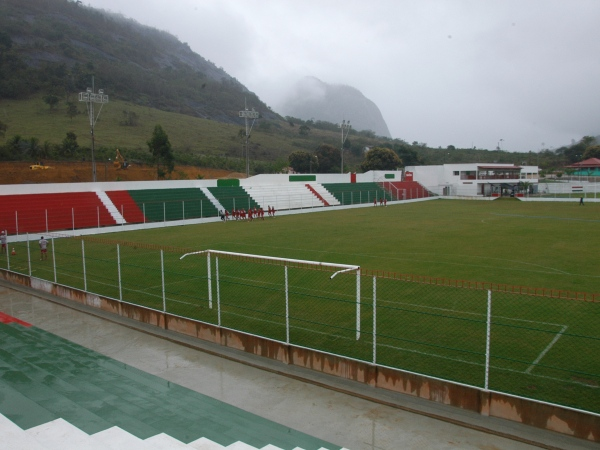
point(476, 179)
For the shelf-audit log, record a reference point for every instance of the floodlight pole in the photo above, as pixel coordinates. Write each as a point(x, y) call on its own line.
point(246, 114)
point(89, 97)
point(344, 126)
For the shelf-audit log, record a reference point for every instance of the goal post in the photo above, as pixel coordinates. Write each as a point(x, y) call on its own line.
point(253, 278)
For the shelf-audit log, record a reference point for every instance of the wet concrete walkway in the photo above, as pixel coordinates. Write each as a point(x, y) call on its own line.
point(327, 414)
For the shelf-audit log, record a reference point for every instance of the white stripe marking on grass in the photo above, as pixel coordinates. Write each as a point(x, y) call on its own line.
point(550, 345)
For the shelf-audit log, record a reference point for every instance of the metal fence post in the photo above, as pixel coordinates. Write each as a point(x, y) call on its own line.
point(358, 304)
point(209, 280)
point(17, 221)
point(119, 272)
point(218, 292)
point(73, 219)
point(162, 279)
point(287, 308)
point(374, 320)
point(83, 260)
point(487, 340)
point(54, 261)
point(8, 250)
point(46, 211)
point(28, 255)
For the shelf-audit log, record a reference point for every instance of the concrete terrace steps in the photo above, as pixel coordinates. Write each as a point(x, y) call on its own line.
point(325, 194)
point(46, 379)
point(283, 197)
point(61, 435)
point(110, 207)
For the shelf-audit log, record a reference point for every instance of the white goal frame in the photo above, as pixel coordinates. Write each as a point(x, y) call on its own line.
point(342, 268)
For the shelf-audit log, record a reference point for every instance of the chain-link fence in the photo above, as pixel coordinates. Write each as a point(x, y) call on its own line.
point(534, 343)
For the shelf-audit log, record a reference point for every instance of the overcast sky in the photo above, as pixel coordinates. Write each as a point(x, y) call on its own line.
point(466, 73)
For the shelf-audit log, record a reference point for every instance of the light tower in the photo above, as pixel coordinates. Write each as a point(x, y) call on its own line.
point(246, 114)
point(89, 97)
point(344, 126)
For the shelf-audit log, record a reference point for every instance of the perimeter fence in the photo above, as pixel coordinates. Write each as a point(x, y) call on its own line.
point(541, 344)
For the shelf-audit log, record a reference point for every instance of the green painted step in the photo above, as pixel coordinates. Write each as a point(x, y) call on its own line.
point(355, 193)
point(233, 198)
point(44, 377)
point(173, 204)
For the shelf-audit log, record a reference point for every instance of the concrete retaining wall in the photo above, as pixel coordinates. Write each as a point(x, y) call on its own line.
point(564, 420)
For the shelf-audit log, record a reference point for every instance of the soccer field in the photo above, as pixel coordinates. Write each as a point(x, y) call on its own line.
point(540, 347)
point(548, 245)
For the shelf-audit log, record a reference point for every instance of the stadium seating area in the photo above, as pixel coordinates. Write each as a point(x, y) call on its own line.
point(41, 212)
point(357, 193)
point(36, 213)
point(160, 205)
point(233, 198)
point(57, 394)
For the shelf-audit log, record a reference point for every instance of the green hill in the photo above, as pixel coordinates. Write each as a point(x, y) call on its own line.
point(50, 50)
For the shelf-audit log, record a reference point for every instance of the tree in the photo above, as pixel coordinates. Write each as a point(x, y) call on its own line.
point(51, 100)
point(303, 130)
point(379, 158)
point(33, 147)
point(329, 158)
point(69, 144)
point(72, 110)
point(303, 162)
point(593, 151)
point(162, 155)
point(576, 152)
point(407, 153)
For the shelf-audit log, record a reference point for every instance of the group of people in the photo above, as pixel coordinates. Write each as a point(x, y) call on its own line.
point(43, 243)
point(250, 214)
point(382, 201)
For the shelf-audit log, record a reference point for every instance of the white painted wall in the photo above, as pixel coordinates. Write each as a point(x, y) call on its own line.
point(258, 180)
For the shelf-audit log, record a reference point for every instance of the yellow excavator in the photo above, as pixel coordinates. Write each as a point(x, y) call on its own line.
point(39, 166)
point(120, 162)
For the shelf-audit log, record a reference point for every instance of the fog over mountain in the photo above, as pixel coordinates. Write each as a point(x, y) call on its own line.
point(311, 98)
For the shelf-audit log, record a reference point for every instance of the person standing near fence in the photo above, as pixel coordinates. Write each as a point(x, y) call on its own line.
point(3, 241)
point(581, 201)
point(43, 249)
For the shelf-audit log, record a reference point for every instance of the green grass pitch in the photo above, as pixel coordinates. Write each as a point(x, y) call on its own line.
point(541, 347)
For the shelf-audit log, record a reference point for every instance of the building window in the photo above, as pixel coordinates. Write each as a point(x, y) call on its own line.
point(456, 173)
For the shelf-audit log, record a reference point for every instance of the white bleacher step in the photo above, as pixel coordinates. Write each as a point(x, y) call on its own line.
point(241, 446)
point(284, 197)
point(118, 439)
point(56, 434)
point(110, 206)
point(13, 437)
point(327, 196)
point(205, 444)
point(216, 203)
point(164, 441)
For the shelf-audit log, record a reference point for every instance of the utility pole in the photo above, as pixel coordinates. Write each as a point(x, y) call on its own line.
point(344, 126)
point(89, 97)
point(246, 114)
